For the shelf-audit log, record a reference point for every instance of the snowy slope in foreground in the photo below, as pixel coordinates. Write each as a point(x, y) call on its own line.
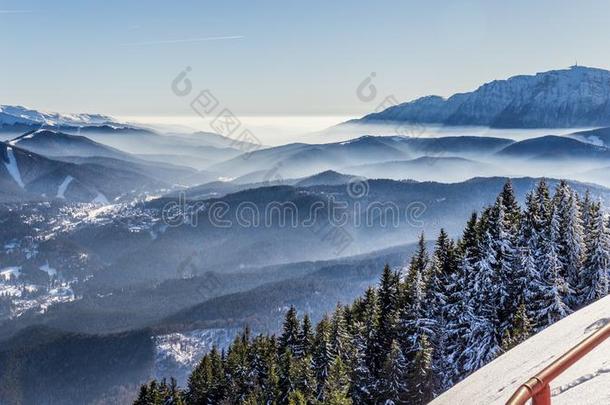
point(585, 383)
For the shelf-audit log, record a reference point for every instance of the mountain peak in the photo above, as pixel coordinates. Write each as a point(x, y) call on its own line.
point(20, 115)
point(578, 96)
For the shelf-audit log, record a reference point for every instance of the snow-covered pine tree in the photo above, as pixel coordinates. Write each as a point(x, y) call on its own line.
point(421, 376)
point(413, 318)
point(419, 261)
point(594, 277)
point(511, 207)
point(340, 339)
point(263, 367)
point(459, 311)
point(290, 332)
point(297, 398)
point(540, 212)
point(305, 378)
point(306, 337)
point(388, 301)
point(484, 341)
point(219, 381)
point(571, 237)
point(394, 383)
point(239, 382)
point(520, 330)
point(200, 382)
point(440, 287)
point(364, 388)
point(554, 290)
point(337, 386)
point(543, 205)
point(322, 353)
point(585, 210)
point(288, 375)
point(528, 279)
point(503, 232)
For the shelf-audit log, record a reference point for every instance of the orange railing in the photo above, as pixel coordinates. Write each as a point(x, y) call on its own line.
point(537, 388)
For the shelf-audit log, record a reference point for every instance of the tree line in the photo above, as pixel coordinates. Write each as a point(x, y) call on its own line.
point(513, 272)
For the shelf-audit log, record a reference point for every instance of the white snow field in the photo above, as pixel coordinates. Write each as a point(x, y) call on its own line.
point(61, 190)
point(586, 383)
point(12, 167)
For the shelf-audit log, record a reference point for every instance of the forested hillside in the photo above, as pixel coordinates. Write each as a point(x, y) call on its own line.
point(513, 272)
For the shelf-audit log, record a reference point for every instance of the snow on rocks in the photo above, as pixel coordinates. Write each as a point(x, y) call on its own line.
point(585, 383)
point(10, 273)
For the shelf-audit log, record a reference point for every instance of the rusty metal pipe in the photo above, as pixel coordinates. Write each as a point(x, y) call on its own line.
point(537, 388)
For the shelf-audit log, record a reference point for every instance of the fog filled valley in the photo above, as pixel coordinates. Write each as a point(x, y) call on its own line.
point(127, 252)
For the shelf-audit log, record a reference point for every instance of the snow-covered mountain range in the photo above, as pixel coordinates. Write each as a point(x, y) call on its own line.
point(17, 115)
point(567, 98)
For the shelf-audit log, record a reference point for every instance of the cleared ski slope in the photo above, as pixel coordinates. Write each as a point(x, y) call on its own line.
point(585, 383)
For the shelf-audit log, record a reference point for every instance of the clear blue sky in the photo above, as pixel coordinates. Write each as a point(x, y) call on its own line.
point(305, 57)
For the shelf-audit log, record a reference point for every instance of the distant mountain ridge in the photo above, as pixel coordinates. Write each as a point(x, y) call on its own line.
point(21, 119)
point(53, 143)
point(567, 98)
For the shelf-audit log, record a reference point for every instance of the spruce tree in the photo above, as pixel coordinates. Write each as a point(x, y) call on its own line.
point(322, 356)
point(504, 235)
point(388, 301)
point(364, 388)
point(290, 338)
point(414, 321)
point(337, 385)
point(200, 382)
point(306, 337)
point(297, 398)
point(219, 381)
point(340, 339)
point(520, 330)
point(421, 377)
point(551, 303)
point(237, 368)
point(484, 340)
point(571, 238)
point(305, 376)
point(594, 280)
point(288, 375)
point(394, 383)
point(511, 207)
point(441, 286)
point(459, 311)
